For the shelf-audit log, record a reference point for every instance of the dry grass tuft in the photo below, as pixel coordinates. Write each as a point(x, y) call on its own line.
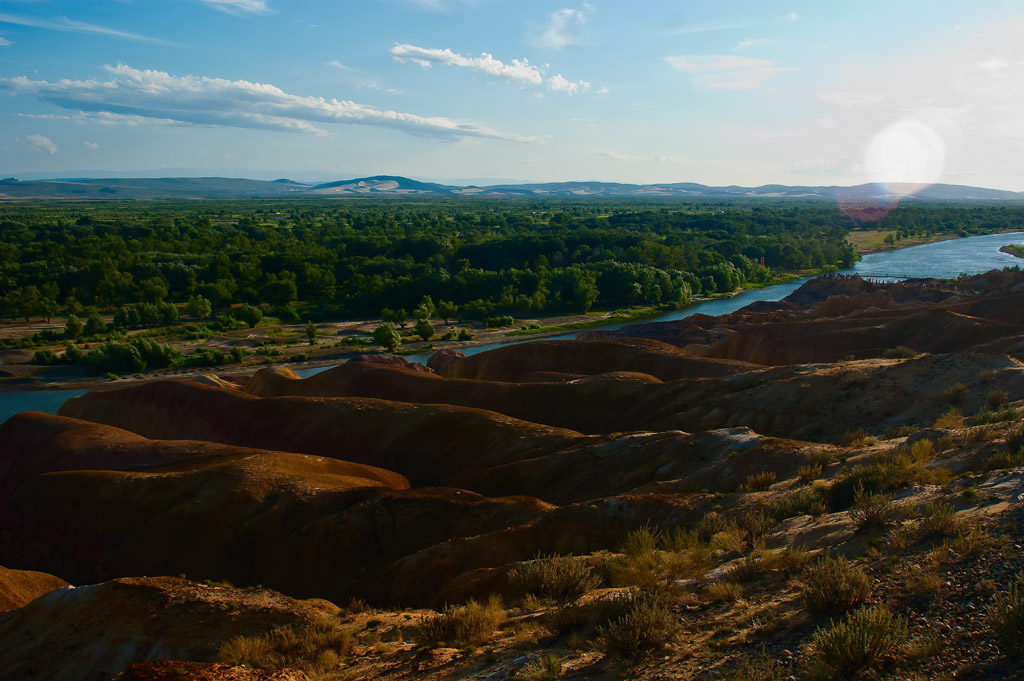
point(472, 624)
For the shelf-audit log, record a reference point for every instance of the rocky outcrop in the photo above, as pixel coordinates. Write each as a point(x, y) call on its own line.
point(442, 360)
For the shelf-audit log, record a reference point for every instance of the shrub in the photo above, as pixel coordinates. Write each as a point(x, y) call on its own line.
point(646, 564)
point(466, 334)
point(873, 509)
point(1015, 439)
point(900, 352)
point(1004, 460)
point(809, 473)
point(755, 524)
point(819, 457)
point(461, 626)
point(722, 592)
point(546, 668)
point(713, 523)
point(1006, 617)
point(834, 585)
point(643, 629)
point(954, 393)
point(764, 668)
point(861, 640)
point(996, 398)
point(499, 321)
point(757, 482)
point(803, 501)
point(938, 520)
point(557, 578)
point(953, 418)
point(316, 648)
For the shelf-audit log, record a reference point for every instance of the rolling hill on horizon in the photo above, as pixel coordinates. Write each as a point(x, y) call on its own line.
point(393, 185)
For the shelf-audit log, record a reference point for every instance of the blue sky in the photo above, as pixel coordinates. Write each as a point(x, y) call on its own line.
point(727, 92)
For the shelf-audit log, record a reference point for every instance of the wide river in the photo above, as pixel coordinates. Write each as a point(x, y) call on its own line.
point(942, 259)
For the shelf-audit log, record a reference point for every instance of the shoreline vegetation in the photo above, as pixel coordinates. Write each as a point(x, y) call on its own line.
point(581, 266)
point(1016, 250)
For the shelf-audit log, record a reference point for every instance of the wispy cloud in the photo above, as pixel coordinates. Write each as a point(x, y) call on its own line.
point(792, 16)
point(200, 100)
point(91, 145)
point(750, 43)
point(4, 42)
point(727, 72)
point(240, 6)
point(519, 70)
point(563, 28)
point(71, 26)
point(704, 27)
point(41, 143)
point(361, 78)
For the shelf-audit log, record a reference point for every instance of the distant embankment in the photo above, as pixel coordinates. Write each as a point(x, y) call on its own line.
point(1013, 249)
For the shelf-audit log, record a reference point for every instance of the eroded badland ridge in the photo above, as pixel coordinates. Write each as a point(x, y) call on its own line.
point(824, 487)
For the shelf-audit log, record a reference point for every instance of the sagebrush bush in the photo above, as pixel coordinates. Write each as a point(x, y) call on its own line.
point(873, 509)
point(834, 585)
point(819, 457)
point(316, 648)
point(758, 482)
point(1006, 617)
point(546, 668)
point(862, 640)
point(553, 578)
point(802, 501)
point(764, 668)
point(996, 398)
point(938, 520)
point(953, 418)
point(954, 393)
point(471, 624)
point(644, 627)
point(647, 564)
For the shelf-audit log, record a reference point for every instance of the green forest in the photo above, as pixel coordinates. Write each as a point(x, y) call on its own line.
point(339, 259)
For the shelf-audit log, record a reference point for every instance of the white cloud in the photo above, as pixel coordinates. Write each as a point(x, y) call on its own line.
point(200, 100)
point(240, 6)
point(726, 72)
point(792, 16)
point(91, 145)
point(4, 42)
point(751, 43)
point(41, 143)
point(603, 91)
point(558, 83)
point(519, 70)
point(71, 26)
point(563, 28)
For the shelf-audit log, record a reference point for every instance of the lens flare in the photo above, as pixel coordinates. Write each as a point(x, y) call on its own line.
point(901, 160)
point(905, 157)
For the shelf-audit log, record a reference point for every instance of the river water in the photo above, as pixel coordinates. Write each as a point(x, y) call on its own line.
point(942, 259)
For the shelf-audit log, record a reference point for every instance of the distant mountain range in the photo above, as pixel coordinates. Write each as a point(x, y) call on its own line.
point(387, 185)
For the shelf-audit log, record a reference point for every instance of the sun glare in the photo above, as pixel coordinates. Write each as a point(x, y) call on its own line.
point(905, 157)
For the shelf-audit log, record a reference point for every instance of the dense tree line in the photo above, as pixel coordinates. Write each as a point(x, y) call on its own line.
point(352, 258)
